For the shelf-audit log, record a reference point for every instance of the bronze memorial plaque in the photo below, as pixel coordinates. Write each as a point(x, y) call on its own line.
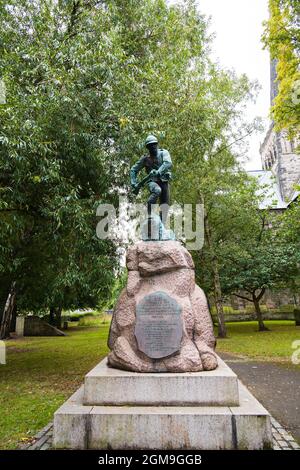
point(158, 328)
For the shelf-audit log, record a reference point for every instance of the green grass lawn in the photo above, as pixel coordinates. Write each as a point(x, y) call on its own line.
point(274, 345)
point(41, 373)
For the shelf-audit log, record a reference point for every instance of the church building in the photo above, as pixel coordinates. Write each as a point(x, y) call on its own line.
point(280, 163)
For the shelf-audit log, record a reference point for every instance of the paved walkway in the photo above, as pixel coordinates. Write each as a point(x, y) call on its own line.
point(276, 386)
point(282, 440)
point(42, 440)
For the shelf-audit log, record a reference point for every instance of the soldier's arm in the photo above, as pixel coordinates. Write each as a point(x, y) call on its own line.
point(135, 170)
point(166, 164)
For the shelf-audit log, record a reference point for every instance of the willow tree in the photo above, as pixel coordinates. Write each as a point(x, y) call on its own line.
point(85, 80)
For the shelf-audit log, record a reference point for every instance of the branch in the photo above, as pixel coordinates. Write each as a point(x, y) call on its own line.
point(232, 143)
point(242, 297)
point(73, 18)
point(263, 290)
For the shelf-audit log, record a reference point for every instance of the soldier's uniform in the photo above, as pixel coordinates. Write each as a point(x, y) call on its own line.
point(159, 185)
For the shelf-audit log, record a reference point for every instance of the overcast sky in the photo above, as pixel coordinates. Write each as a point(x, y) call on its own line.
point(238, 28)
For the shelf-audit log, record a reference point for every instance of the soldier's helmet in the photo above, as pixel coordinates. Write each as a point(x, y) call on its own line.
point(151, 139)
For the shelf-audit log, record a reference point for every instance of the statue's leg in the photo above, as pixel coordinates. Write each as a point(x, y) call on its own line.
point(155, 192)
point(164, 201)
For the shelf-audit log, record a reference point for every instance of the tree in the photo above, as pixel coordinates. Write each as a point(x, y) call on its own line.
point(289, 228)
point(289, 223)
point(85, 80)
point(53, 155)
point(263, 260)
point(228, 216)
point(195, 109)
point(5, 321)
point(282, 38)
point(209, 111)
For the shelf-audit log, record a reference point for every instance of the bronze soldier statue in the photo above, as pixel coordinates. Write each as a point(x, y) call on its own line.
point(157, 164)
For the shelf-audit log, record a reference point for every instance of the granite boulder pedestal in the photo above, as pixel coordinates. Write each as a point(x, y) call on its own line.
point(161, 322)
point(162, 385)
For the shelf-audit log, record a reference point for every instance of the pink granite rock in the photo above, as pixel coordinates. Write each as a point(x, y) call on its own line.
point(165, 267)
point(168, 257)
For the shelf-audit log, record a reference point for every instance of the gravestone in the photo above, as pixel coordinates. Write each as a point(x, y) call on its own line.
point(158, 328)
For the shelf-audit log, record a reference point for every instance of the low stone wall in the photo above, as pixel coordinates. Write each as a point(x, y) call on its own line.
point(239, 317)
point(35, 326)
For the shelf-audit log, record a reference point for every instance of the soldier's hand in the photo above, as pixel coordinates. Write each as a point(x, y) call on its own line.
point(154, 173)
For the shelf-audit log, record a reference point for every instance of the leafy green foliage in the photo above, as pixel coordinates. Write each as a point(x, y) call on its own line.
point(85, 81)
point(282, 37)
point(263, 260)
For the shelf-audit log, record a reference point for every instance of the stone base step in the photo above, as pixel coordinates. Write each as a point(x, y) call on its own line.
point(247, 426)
point(107, 386)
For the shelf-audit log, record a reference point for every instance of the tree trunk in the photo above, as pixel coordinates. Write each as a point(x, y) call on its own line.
point(222, 333)
point(58, 311)
point(209, 308)
point(52, 316)
point(295, 300)
point(13, 318)
point(261, 325)
point(8, 312)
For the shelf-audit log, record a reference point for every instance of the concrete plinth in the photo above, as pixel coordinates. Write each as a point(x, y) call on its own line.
point(147, 423)
point(160, 427)
point(107, 386)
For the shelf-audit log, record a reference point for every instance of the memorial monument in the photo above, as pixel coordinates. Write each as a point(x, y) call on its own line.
point(162, 386)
